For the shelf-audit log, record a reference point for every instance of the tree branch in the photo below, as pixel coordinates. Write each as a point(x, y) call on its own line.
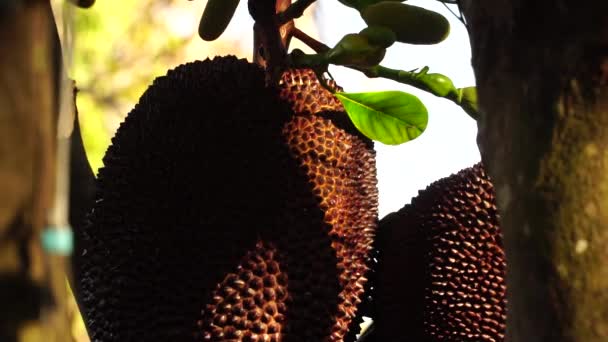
point(294, 11)
point(311, 42)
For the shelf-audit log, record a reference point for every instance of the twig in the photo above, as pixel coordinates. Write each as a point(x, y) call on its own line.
point(294, 11)
point(414, 79)
point(311, 42)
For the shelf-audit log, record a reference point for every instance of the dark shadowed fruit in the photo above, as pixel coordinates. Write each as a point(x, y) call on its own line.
point(223, 215)
point(442, 266)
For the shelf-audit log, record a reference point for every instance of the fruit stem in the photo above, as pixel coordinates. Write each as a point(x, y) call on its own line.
point(416, 79)
point(299, 59)
point(311, 42)
point(270, 43)
point(294, 11)
point(273, 29)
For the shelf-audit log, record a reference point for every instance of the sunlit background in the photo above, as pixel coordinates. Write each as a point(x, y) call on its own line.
point(121, 46)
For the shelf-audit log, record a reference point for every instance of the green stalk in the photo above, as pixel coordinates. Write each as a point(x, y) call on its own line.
point(429, 83)
point(436, 84)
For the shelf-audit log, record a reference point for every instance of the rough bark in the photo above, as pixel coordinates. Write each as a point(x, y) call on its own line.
point(32, 284)
point(542, 72)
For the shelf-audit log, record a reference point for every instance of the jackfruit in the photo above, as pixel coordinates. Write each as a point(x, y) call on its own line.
point(340, 162)
point(230, 211)
point(441, 275)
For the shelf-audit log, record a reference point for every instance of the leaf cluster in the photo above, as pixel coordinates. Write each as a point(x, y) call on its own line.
point(391, 117)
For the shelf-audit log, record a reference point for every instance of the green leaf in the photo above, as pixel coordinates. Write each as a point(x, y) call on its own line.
point(391, 117)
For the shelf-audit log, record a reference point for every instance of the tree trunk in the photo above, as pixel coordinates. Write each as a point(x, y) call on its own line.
point(542, 73)
point(32, 283)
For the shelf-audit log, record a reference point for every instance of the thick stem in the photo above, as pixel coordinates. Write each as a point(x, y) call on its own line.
point(271, 39)
point(273, 31)
point(268, 47)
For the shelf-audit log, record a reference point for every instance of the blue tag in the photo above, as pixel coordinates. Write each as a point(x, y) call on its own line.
point(58, 240)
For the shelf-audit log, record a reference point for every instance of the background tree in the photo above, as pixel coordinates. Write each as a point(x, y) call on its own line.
point(32, 283)
point(541, 70)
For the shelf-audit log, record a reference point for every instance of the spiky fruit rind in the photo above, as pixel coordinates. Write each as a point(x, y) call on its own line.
point(340, 164)
point(222, 214)
point(179, 201)
point(442, 269)
point(305, 95)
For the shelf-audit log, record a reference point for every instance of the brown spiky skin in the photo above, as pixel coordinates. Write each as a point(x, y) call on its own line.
point(186, 193)
point(341, 165)
point(217, 197)
point(442, 266)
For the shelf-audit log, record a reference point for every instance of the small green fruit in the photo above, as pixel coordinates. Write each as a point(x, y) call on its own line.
point(411, 24)
point(355, 50)
point(216, 17)
point(438, 84)
point(379, 35)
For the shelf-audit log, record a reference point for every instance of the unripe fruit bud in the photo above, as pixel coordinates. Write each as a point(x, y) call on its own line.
point(216, 17)
point(379, 35)
point(355, 50)
point(438, 84)
point(411, 24)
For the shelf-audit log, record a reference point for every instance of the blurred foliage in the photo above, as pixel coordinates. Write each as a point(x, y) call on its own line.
point(117, 52)
point(120, 48)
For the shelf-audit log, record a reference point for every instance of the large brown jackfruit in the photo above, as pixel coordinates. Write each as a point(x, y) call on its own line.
point(216, 197)
point(441, 275)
